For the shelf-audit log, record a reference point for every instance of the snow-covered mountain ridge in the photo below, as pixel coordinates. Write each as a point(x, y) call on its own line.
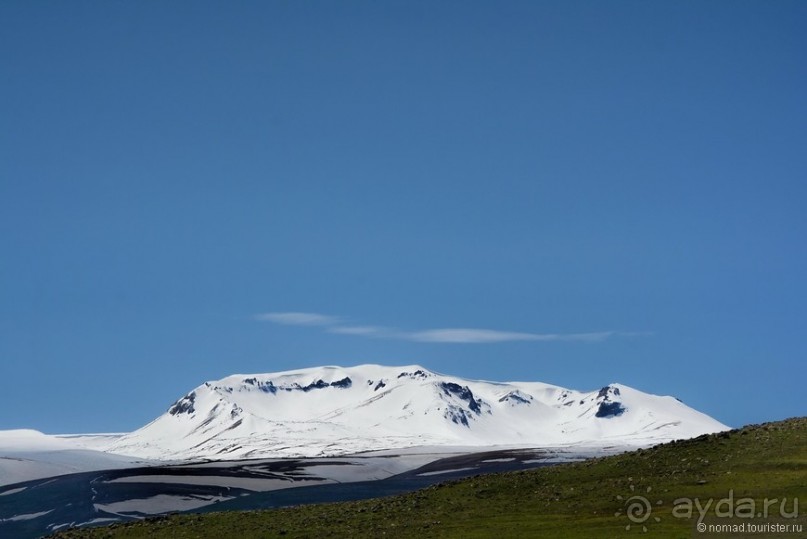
point(341, 410)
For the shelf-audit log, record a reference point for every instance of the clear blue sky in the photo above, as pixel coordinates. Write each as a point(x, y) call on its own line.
point(613, 191)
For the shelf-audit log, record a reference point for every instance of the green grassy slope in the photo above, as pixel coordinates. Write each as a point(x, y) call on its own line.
point(571, 500)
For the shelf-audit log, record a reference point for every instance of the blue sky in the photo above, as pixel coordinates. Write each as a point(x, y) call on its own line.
point(572, 192)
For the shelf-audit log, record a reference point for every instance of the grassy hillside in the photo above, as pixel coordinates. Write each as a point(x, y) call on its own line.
point(574, 500)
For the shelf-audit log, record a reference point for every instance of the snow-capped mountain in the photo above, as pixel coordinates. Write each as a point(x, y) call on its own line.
point(336, 410)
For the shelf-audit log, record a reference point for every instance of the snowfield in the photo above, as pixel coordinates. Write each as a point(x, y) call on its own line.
point(327, 411)
point(337, 411)
point(235, 443)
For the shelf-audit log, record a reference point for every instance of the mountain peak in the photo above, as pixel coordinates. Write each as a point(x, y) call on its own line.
point(336, 410)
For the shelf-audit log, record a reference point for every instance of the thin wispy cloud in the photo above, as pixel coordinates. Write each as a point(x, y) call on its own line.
point(336, 325)
point(467, 335)
point(364, 331)
point(298, 319)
